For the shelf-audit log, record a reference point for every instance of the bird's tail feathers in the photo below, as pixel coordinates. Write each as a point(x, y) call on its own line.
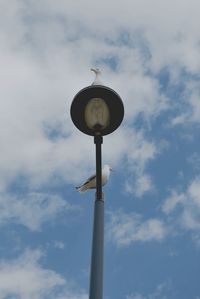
point(81, 188)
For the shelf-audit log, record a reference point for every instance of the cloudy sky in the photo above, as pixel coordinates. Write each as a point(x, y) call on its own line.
point(149, 52)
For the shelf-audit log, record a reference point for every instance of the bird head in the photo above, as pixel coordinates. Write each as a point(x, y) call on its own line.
point(108, 167)
point(96, 71)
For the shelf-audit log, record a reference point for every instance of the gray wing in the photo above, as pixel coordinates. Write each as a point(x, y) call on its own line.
point(89, 179)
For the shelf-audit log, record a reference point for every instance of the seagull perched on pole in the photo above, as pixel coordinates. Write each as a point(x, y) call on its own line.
point(90, 183)
point(97, 80)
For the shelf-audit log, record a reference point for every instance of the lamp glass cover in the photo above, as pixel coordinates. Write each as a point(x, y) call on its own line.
point(97, 114)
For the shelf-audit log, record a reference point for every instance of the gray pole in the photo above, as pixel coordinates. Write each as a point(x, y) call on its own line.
point(96, 275)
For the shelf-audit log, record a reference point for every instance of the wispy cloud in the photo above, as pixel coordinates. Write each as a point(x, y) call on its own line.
point(136, 151)
point(160, 293)
point(33, 209)
point(190, 112)
point(126, 228)
point(24, 277)
point(172, 201)
point(188, 201)
point(139, 185)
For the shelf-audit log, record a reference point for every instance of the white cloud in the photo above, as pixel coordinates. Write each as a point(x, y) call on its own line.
point(126, 228)
point(194, 191)
point(180, 119)
point(158, 293)
point(191, 105)
point(171, 202)
point(191, 212)
point(140, 185)
point(189, 201)
point(59, 245)
point(140, 151)
point(32, 210)
point(195, 104)
point(194, 160)
point(25, 278)
point(132, 145)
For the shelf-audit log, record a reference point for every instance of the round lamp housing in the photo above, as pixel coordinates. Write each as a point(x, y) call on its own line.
point(97, 110)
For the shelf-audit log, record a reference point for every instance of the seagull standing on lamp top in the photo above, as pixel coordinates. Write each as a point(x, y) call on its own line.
point(97, 80)
point(90, 183)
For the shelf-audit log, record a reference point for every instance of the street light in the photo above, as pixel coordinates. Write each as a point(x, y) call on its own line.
point(97, 110)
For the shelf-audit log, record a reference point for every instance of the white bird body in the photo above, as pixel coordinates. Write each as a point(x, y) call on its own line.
point(90, 183)
point(97, 80)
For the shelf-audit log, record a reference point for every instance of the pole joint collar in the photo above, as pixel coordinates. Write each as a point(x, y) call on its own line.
point(99, 199)
point(98, 139)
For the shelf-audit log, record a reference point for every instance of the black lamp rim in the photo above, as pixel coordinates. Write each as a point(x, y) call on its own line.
point(113, 101)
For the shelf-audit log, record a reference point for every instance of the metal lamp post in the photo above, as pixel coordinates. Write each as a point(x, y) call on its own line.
point(97, 111)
